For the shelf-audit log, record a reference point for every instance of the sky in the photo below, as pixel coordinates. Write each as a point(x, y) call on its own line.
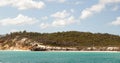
point(47, 16)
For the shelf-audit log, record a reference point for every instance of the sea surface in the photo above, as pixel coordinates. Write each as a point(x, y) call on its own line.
point(58, 57)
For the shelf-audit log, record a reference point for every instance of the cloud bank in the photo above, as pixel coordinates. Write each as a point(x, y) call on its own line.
point(60, 19)
point(116, 22)
point(22, 4)
point(19, 20)
point(96, 8)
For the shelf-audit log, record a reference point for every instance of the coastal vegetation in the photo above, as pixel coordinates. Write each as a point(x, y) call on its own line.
point(73, 39)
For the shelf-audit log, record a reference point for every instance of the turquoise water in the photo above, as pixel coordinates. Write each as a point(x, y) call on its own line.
point(58, 57)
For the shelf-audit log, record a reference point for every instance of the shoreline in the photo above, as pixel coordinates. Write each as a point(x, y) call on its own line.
point(57, 51)
point(14, 50)
point(81, 51)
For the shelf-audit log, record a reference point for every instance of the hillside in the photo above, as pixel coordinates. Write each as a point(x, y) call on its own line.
point(71, 39)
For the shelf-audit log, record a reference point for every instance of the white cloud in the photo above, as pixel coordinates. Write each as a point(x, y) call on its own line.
point(72, 10)
point(5, 2)
point(22, 4)
point(108, 1)
point(116, 22)
point(78, 2)
point(60, 14)
point(44, 25)
point(96, 8)
point(44, 18)
point(19, 20)
point(115, 8)
point(64, 22)
point(59, 23)
point(85, 13)
point(90, 11)
point(60, 19)
point(60, 1)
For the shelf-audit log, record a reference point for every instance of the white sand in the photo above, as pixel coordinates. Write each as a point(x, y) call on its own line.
point(81, 51)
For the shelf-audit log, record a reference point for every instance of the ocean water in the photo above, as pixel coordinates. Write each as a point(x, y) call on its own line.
point(58, 57)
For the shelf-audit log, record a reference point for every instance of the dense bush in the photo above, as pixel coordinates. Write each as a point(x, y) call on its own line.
point(68, 39)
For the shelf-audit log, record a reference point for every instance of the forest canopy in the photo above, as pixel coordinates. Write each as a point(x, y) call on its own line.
point(68, 39)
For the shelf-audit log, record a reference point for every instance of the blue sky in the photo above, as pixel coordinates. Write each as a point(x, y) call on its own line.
point(95, 16)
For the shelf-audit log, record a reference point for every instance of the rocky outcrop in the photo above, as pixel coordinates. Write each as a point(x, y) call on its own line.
point(52, 48)
point(16, 44)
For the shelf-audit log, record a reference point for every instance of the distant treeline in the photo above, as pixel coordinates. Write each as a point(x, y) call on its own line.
point(68, 39)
